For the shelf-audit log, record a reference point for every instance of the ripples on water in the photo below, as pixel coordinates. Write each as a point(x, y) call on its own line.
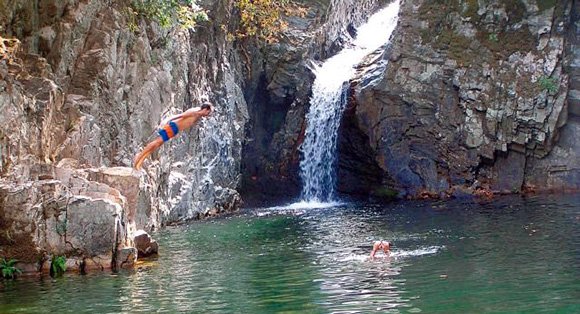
point(509, 255)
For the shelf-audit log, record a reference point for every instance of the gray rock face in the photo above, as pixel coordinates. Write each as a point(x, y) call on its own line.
point(560, 169)
point(67, 214)
point(466, 97)
point(573, 61)
point(91, 225)
point(81, 98)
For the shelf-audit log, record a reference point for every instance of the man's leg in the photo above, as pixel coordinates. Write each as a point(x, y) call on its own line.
point(151, 147)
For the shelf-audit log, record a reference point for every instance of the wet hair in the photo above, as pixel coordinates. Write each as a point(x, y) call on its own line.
point(206, 105)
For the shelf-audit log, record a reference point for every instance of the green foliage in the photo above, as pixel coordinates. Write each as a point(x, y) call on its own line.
point(493, 37)
point(262, 19)
point(9, 271)
point(58, 265)
point(154, 57)
point(549, 84)
point(168, 13)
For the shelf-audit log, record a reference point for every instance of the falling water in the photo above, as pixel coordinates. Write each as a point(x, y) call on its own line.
point(318, 164)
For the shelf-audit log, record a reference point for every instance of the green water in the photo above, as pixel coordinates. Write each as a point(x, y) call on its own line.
point(512, 255)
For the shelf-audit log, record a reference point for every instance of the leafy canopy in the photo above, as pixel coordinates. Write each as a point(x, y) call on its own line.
point(262, 19)
point(168, 13)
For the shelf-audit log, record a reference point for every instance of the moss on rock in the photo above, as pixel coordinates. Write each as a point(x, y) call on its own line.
point(505, 43)
point(501, 40)
point(385, 193)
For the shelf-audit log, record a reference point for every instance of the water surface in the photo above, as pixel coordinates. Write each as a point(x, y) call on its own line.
point(511, 255)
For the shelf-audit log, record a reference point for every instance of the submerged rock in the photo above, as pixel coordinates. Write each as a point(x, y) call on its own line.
point(144, 244)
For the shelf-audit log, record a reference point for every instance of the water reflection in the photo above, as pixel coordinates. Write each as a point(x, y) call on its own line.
point(508, 255)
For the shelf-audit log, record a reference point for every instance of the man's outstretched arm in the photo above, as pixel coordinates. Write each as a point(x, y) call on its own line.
point(186, 114)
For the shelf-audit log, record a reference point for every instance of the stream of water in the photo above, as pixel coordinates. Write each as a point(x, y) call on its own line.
point(511, 255)
point(318, 163)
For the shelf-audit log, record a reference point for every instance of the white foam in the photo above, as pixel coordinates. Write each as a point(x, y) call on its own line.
point(403, 253)
point(417, 252)
point(355, 258)
point(306, 205)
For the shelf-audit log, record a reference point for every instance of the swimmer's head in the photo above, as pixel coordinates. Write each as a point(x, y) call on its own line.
point(206, 108)
point(206, 105)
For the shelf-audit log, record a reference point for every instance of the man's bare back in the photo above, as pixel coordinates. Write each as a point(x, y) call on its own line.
point(189, 118)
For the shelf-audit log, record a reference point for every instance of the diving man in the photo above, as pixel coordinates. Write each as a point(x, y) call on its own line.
point(170, 127)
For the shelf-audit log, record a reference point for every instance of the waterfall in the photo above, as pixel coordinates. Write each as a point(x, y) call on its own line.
point(318, 163)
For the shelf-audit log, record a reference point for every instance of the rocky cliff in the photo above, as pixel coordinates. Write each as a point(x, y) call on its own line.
point(79, 98)
point(82, 91)
point(470, 95)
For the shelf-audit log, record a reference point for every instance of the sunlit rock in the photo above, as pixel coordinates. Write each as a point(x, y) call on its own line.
point(493, 111)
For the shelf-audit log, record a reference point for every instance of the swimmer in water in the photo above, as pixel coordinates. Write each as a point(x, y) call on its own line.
point(380, 245)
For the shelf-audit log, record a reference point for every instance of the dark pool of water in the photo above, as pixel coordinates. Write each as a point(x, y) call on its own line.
point(506, 256)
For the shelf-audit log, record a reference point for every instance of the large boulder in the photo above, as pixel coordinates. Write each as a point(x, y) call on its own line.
point(91, 225)
point(66, 215)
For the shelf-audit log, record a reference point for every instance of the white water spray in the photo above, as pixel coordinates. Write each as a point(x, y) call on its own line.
point(318, 164)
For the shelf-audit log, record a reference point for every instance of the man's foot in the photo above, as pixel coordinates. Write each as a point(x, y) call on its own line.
point(137, 162)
